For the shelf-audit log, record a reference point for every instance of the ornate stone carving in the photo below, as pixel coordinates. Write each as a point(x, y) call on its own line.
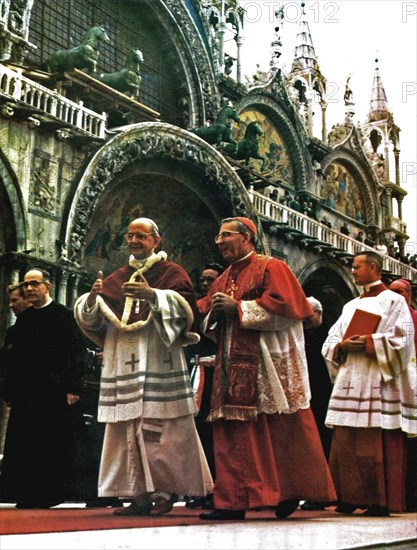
point(44, 192)
point(200, 58)
point(338, 134)
point(14, 30)
point(7, 110)
point(152, 141)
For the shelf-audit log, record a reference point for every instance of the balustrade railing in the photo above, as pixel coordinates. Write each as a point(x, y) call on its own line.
point(19, 88)
point(283, 214)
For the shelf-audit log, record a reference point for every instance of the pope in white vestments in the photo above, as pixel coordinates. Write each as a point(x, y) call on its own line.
point(142, 316)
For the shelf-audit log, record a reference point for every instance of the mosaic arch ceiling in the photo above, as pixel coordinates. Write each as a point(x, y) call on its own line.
point(185, 238)
point(341, 192)
point(271, 146)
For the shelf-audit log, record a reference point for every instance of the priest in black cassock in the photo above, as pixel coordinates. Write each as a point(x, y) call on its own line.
point(43, 389)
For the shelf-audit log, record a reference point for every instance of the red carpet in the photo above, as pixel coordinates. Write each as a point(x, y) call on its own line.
point(13, 521)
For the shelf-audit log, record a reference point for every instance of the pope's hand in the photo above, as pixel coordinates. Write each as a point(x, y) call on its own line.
point(96, 289)
point(139, 289)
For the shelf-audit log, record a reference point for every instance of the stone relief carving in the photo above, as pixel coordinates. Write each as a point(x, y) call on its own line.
point(338, 134)
point(14, 30)
point(44, 193)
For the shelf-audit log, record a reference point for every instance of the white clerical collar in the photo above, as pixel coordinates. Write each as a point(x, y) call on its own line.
point(367, 288)
point(48, 301)
point(244, 257)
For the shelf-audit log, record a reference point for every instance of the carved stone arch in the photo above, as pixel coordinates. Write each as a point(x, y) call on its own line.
point(14, 222)
point(368, 192)
point(280, 118)
point(157, 149)
point(204, 96)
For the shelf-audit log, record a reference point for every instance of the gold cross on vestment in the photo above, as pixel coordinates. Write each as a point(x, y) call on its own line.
point(231, 289)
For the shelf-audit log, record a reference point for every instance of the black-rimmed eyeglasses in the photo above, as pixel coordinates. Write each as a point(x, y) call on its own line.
point(33, 284)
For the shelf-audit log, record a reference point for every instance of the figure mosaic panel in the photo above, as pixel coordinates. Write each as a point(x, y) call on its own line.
point(185, 238)
point(341, 192)
point(276, 162)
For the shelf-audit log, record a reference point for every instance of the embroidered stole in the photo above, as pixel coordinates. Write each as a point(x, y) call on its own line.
point(235, 384)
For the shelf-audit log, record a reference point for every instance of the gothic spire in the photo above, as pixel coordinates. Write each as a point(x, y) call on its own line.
point(307, 84)
point(378, 107)
point(304, 53)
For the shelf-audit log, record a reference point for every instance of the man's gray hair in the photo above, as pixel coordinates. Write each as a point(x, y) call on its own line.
point(315, 304)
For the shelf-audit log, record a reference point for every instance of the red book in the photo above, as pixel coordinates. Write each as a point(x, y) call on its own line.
point(362, 322)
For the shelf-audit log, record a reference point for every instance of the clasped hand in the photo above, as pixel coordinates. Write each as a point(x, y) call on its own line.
point(354, 344)
point(139, 289)
point(221, 302)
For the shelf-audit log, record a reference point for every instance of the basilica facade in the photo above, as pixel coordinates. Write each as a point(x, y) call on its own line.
point(112, 110)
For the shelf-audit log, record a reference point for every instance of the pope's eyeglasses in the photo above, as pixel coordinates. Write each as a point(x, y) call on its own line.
point(137, 236)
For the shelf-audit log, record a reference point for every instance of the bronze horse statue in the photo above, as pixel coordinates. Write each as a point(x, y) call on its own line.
point(127, 79)
point(83, 56)
point(248, 147)
point(221, 130)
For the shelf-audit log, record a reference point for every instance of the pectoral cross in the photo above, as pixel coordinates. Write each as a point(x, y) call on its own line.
point(231, 289)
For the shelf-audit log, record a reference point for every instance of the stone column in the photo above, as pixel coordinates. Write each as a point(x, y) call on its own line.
point(323, 121)
point(238, 61)
point(62, 290)
point(397, 165)
point(75, 293)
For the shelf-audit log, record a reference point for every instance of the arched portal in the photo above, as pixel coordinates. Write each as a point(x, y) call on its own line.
point(13, 233)
point(13, 229)
point(331, 285)
point(158, 171)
